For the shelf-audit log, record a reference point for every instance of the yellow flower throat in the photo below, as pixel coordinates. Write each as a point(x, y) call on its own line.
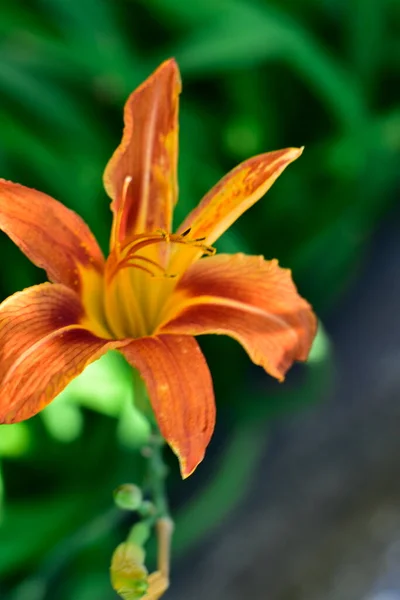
point(132, 297)
point(139, 281)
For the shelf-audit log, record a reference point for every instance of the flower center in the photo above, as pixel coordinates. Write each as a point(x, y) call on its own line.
point(138, 281)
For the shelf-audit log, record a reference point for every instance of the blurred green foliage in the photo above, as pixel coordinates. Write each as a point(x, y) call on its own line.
point(257, 75)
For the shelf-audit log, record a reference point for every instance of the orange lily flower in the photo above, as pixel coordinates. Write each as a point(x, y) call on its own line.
point(152, 294)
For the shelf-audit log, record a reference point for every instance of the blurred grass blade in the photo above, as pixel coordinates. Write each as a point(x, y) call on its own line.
point(250, 34)
point(42, 98)
point(225, 489)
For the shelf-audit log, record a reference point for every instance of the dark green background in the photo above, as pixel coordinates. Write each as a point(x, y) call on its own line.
point(257, 75)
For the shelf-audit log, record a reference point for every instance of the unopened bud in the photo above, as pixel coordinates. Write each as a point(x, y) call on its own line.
point(139, 534)
point(128, 496)
point(147, 509)
point(129, 576)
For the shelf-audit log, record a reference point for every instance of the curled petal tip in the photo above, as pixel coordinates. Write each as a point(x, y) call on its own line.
point(167, 67)
point(190, 460)
point(187, 469)
point(294, 153)
point(170, 63)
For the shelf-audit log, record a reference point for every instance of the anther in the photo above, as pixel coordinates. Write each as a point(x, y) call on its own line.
point(186, 232)
point(166, 237)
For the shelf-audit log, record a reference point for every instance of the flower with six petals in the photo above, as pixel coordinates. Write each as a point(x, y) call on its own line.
point(156, 290)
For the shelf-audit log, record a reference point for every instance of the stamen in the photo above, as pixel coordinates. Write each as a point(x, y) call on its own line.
point(129, 261)
point(163, 236)
point(147, 240)
point(153, 263)
point(128, 264)
point(142, 240)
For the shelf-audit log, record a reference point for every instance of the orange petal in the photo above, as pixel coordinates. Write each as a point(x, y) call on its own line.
point(141, 177)
point(52, 236)
point(42, 347)
point(235, 193)
point(180, 390)
point(249, 299)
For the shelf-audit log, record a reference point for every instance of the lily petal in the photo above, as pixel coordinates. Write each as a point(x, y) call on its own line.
point(180, 390)
point(235, 193)
point(42, 347)
point(49, 234)
point(141, 177)
point(249, 299)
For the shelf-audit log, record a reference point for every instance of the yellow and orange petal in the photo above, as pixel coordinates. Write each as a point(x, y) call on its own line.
point(250, 299)
point(49, 234)
point(42, 348)
point(229, 199)
point(141, 177)
point(235, 193)
point(181, 393)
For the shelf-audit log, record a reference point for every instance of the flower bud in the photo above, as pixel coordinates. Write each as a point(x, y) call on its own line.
point(139, 534)
point(129, 576)
point(128, 496)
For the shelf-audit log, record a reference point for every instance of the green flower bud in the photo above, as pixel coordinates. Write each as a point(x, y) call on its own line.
point(139, 534)
point(128, 496)
point(147, 509)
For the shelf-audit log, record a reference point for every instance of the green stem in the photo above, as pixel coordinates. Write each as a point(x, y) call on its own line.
point(157, 473)
point(157, 470)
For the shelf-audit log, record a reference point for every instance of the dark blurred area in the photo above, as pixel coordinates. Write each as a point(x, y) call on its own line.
point(298, 495)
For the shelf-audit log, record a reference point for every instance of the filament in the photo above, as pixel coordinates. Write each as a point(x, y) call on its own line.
point(130, 256)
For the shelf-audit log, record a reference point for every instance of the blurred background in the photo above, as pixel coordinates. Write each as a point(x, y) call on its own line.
point(298, 497)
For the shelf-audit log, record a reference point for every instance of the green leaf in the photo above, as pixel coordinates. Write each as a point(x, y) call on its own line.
point(42, 98)
point(44, 521)
point(367, 20)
